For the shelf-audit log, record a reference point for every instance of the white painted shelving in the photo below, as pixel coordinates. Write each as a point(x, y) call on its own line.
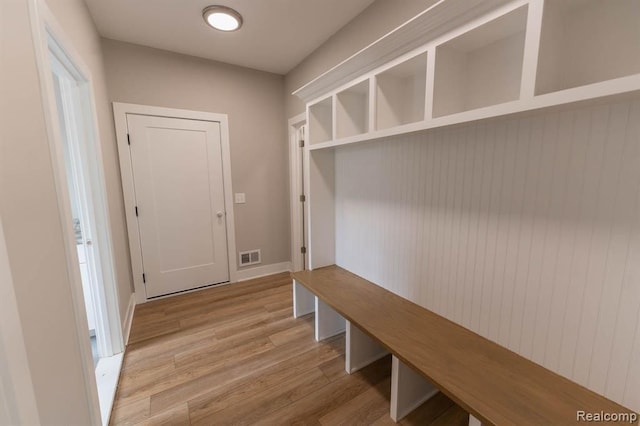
point(401, 93)
point(321, 120)
point(490, 59)
point(587, 41)
point(352, 110)
point(482, 67)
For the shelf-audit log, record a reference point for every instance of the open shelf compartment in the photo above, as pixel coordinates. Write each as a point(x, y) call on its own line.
point(352, 110)
point(400, 96)
point(321, 121)
point(482, 67)
point(587, 41)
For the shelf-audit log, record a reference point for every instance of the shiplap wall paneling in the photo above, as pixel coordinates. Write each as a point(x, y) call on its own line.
point(525, 230)
point(320, 185)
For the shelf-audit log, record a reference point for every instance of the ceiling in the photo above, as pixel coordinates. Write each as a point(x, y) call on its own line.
point(275, 37)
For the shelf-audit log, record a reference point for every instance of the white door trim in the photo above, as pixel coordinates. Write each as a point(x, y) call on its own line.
point(120, 111)
point(45, 27)
point(296, 188)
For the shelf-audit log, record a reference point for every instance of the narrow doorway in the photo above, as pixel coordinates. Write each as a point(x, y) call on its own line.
point(297, 133)
point(302, 131)
point(87, 215)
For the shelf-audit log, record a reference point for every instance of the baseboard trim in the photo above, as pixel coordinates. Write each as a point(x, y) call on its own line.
point(129, 318)
point(262, 271)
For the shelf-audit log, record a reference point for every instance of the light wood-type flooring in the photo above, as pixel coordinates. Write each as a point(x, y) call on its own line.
point(235, 355)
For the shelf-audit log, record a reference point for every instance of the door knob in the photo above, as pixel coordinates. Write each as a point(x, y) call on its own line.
point(89, 242)
point(220, 214)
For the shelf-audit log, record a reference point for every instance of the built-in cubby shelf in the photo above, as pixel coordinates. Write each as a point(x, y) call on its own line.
point(321, 121)
point(482, 67)
point(352, 110)
point(483, 59)
point(587, 41)
point(457, 62)
point(400, 93)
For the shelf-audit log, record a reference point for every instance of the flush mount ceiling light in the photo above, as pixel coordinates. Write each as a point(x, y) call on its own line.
point(222, 18)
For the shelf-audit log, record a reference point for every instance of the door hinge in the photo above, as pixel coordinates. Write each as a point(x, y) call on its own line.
point(128, 139)
point(303, 198)
point(136, 211)
point(303, 250)
point(144, 278)
point(301, 143)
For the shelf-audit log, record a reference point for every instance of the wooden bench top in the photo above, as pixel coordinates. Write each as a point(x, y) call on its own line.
point(491, 382)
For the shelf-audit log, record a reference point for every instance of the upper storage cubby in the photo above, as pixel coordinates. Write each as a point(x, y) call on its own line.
point(482, 67)
point(400, 97)
point(352, 110)
point(587, 41)
point(321, 121)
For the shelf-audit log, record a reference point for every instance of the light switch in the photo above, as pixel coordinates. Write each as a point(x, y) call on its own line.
point(240, 198)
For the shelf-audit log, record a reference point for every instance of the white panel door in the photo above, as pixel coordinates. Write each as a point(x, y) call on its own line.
point(177, 172)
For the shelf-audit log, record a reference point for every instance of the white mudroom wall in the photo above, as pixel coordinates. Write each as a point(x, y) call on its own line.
point(524, 229)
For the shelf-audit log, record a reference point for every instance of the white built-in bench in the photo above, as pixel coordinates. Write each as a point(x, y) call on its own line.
point(430, 354)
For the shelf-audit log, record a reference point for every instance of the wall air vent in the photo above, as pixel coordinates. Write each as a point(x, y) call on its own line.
point(251, 257)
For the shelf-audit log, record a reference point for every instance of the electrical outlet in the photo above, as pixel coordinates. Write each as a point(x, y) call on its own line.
point(240, 198)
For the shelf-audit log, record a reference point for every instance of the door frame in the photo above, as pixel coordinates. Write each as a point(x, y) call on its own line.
point(295, 190)
point(50, 38)
point(120, 111)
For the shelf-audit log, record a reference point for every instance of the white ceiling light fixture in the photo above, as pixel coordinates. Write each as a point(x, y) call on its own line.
point(222, 18)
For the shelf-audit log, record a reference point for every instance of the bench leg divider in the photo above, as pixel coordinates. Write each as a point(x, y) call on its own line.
point(304, 302)
point(474, 421)
point(409, 390)
point(360, 349)
point(328, 322)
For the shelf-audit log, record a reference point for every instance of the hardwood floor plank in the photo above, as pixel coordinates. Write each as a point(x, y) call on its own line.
point(334, 370)
point(235, 355)
point(310, 409)
point(222, 354)
point(292, 333)
point(364, 409)
point(454, 416)
point(176, 417)
point(141, 380)
point(430, 411)
point(245, 388)
point(221, 377)
point(139, 355)
point(130, 412)
point(142, 331)
point(267, 401)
